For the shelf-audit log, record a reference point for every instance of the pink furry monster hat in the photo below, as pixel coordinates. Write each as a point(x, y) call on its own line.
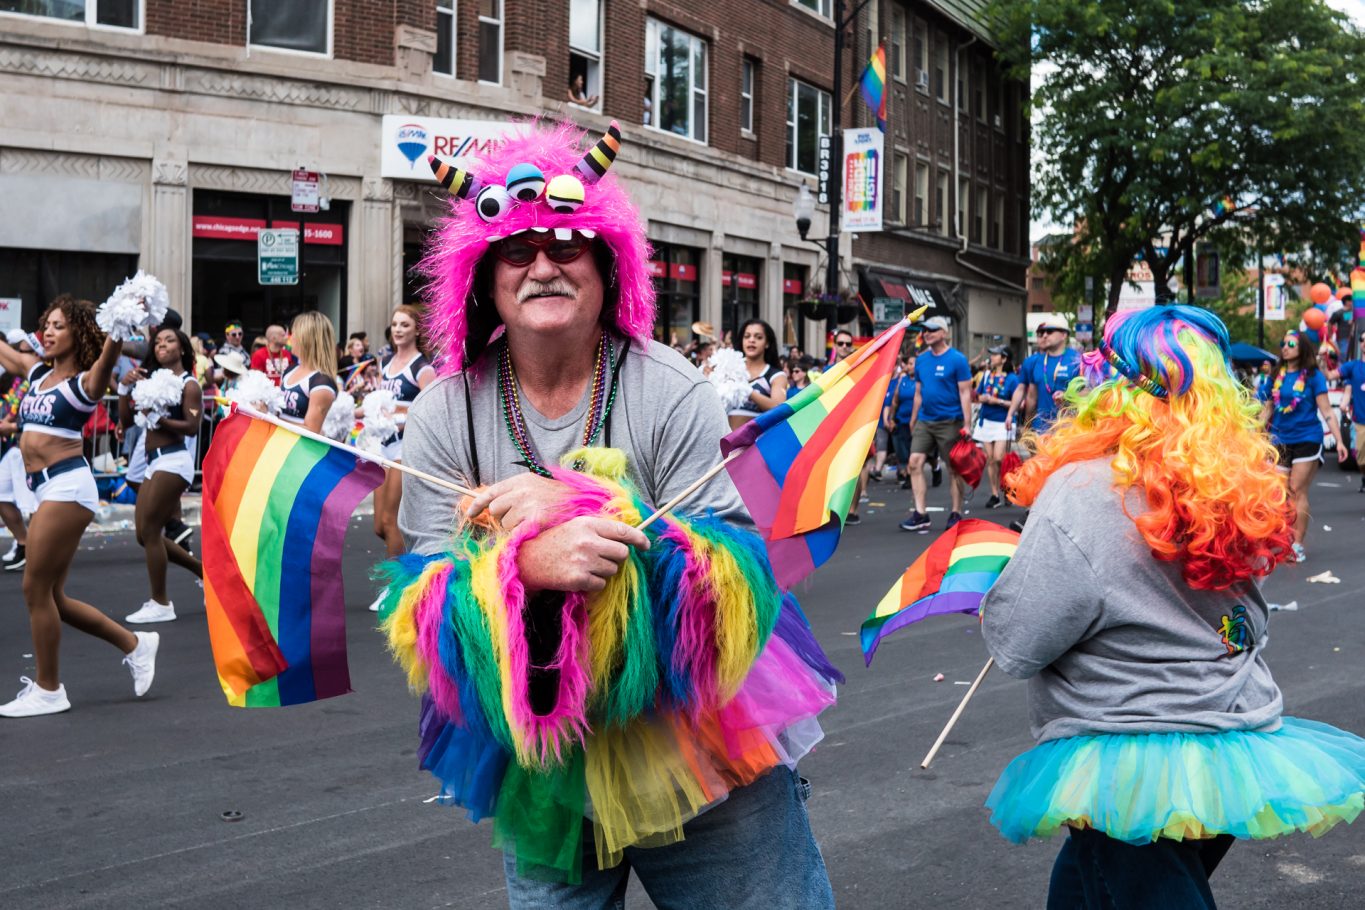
point(539, 180)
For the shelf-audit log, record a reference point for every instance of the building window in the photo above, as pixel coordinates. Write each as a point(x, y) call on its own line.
point(979, 92)
point(675, 78)
point(996, 120)
point(105, 13)
point(676, 271)
point(919, 55)
point(585, 52)
point(490, 41)
point(739, 281)
point(746, 95)
point(941, 69)
point(964, 189)
point(304, 25)
point(898, 43)
point(793, 292)
point(808, 118)
point(941, 202)
point(820, 7)
point(898, 179)
point(444, 61)
point(979, 214)
point(921, 194)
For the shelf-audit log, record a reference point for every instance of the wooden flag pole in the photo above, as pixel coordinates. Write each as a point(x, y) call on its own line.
point(958, 713)
point(358, 453)
point(692, 488)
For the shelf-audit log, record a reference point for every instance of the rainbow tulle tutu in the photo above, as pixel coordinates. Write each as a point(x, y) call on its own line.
point(1306, 776)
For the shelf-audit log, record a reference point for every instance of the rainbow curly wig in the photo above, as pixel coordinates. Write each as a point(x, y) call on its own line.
point(539, 180)
point(1165, 406)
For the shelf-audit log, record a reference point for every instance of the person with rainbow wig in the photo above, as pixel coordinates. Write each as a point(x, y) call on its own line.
point(615, 697)
point(1161, 737)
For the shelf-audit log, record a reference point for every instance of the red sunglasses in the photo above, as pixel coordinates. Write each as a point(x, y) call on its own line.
point(522, 249)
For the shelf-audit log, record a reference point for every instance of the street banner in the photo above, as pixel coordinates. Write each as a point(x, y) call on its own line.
point(862, 209)
point(1275, 297)
point(1138, 291)
point(406, 141)
point(277, 256)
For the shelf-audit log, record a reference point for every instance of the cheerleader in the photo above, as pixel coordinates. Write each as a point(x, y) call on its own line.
point(405, 373)
point(1134, 609)
point(65, 386)
point(310, 386)
point(16, 499)
point(169, 445)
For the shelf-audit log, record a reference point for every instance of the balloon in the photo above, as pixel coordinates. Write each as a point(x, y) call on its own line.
point(1313, 336)
point(1320, 293)
point(1343, 293)
point(1315, 319)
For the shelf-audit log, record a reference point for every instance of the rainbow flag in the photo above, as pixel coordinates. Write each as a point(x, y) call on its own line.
point(275, 510)
point(952, 576)
point(873, 85)
point(799, 464)
point(1358, 292)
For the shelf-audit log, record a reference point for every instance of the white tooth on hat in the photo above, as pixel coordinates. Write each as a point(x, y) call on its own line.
point(538, 230)
point(563, 234)
point(589, 233)
point(492, 240)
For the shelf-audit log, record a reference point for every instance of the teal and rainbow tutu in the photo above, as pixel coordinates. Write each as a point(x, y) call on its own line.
point(1306, 776)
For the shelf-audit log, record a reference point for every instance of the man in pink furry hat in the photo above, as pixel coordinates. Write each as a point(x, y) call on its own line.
point(615, 698)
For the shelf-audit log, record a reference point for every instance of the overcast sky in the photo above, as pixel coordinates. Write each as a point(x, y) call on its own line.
point(1353, 8)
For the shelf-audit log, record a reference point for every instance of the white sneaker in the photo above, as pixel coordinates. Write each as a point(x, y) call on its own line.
point(152, 612)
point(379, 601)
point(13, 548)
point(33, 700)
point(142, 662)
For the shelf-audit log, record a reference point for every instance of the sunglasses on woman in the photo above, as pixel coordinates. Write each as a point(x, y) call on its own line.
point(522, 249)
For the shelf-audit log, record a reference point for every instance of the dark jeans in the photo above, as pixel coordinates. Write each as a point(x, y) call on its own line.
point(900, 441)
point(1096, 872)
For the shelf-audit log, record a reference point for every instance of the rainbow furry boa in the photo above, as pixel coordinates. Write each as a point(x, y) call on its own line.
point(1177, 425)
point(689, 675)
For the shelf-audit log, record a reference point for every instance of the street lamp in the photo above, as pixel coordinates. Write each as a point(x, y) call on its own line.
point(803, 207)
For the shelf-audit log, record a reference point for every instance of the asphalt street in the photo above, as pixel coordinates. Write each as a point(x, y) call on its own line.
point(121, 801)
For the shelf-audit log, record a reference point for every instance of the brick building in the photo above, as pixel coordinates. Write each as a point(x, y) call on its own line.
point(162, 133)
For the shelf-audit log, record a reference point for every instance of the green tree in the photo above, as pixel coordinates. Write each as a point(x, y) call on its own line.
point(1162, 122)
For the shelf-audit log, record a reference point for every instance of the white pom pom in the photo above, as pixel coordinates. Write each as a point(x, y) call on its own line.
point(730, 377)
point(380, 421)
point(340, 418)
point(154, 397)
point(139, 301)
point(255, 390)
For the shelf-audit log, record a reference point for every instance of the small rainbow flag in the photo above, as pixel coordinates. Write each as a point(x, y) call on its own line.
point(952, 576)
point(800, 461)
point(873, 85)
point(275, 510)
point(1358, 292)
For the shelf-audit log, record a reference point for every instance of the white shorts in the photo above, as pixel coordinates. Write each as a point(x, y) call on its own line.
point(393, 451)
point(180, 462)
point(990, 431)
point(137, 461)
point(14, 482)
point(74, 486)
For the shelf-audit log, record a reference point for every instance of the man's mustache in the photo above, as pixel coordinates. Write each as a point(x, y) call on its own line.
point(535, 288)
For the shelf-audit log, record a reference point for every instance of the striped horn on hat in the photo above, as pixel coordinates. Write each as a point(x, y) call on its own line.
point(459, 182)
point(601, 155)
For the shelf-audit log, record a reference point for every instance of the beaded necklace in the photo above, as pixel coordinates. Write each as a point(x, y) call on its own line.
point(1297, 388)
point(993, 385)
point(599, 407)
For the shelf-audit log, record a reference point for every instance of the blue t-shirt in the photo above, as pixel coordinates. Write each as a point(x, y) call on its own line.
point(938, 376)
point(1051, 374)
point(1353, 375)
point(905, 405)
point(1001, 386)
point(1300, 424)
point(1026, 369)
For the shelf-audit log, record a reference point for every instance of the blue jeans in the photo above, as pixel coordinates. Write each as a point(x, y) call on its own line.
point(1096, 872)
point(755, 850)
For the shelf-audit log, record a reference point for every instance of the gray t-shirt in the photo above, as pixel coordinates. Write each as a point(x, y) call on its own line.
point(667, 418)
point(1113, 640)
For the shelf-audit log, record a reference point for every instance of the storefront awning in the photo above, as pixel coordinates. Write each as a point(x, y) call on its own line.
point(915, 292)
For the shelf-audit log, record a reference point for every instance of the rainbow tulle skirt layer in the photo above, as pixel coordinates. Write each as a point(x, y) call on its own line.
point(640, 782)
point(1306, 776)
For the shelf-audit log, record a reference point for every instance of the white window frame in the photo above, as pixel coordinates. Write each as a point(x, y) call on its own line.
point(747, 67)
point(980, 215)
point(921, 194)
point(91, 11)
point(695, 87)
point(454, 15)
point(592, 85)
point(998, 220)
point(896, 204)
point(941, 199)
point(964, 192)
point(824, 111)
point(899, 38)
point(501, 23)
point(919, 38)
point(823, 8)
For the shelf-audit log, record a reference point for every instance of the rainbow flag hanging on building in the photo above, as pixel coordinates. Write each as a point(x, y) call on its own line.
point(952, 576)
point(275, 510)
point(872, 83)
point(799, 465)
point(1358, 293)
